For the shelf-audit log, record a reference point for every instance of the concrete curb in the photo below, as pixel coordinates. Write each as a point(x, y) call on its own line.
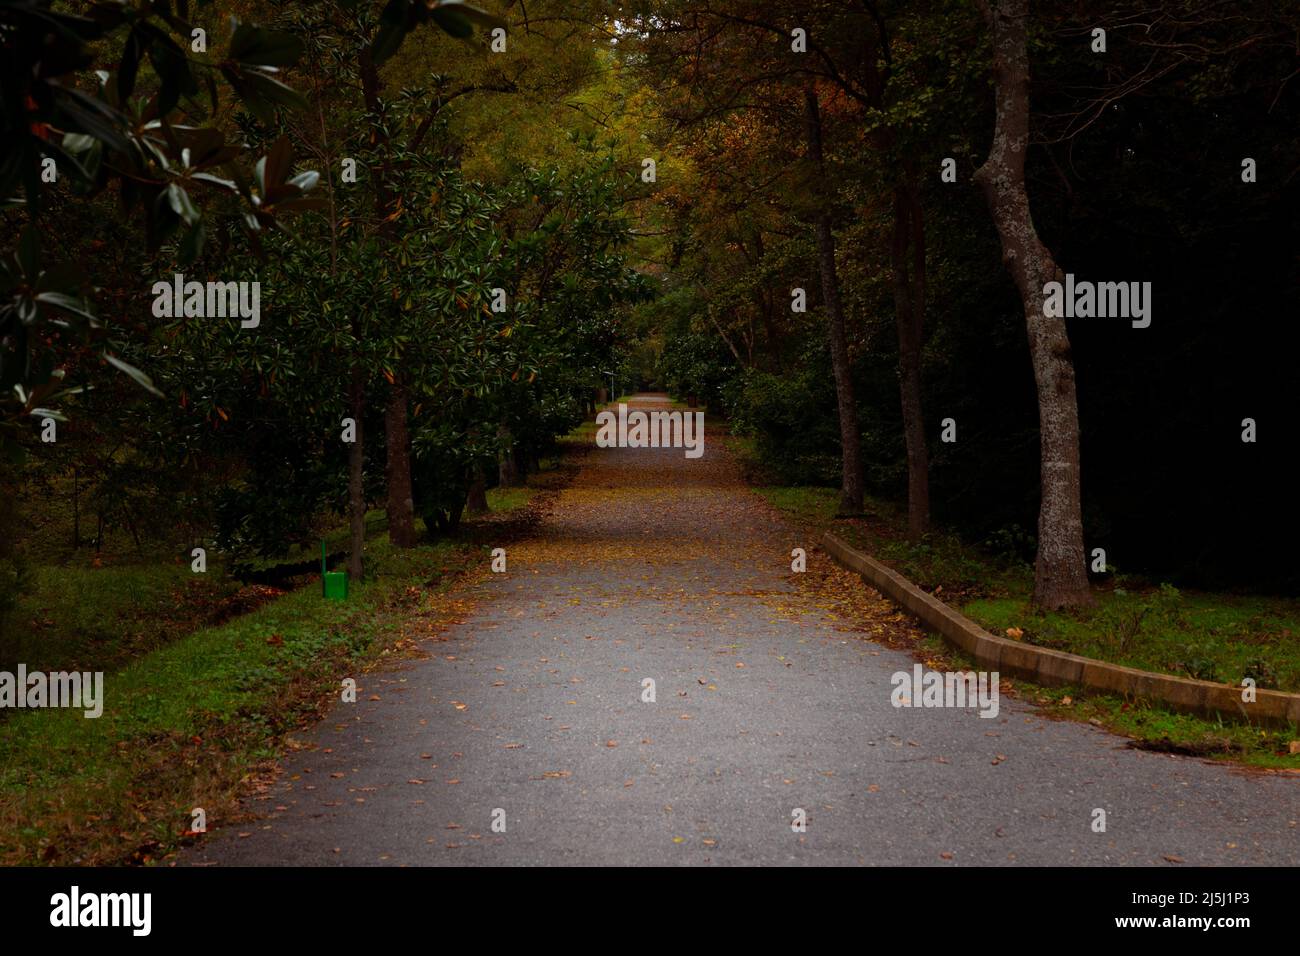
point(1050, 667)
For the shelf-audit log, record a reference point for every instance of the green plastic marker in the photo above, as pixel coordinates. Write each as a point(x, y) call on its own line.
point(333, 584)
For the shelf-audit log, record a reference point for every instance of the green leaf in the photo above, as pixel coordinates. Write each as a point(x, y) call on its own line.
point(306, 181)
point(452, 21)
point(192, 245)
point(67, 303)
point(278, 164)
point(471, 13)
point(394, 23)
point(260, 93)
point(129, 65)
point(262, 47)
point(141, 379)
point(182, 205)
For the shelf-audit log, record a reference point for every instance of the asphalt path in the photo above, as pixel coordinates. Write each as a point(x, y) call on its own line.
point(523, 737)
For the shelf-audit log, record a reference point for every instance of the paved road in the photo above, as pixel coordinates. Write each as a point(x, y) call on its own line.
point(655, 566)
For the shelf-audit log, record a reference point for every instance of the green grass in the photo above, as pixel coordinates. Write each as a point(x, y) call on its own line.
point(181, 726)
point(100, 618)
point(1213, 637)
point(1218, 637)
point(814, 506)
point(190, 712)
point(509, 499)
point(938, 561)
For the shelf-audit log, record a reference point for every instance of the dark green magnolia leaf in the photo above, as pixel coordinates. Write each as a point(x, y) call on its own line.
point(471, 13)
point(140, 378)
point(259, 46)
point(394, 23)
point(29, 255)
point(67, 303)
point(452, 21)
point(226, 184)
point(261, 94)
point(182, 204)
point(206, 146)
point(191, 246)
point(128, 66)
point(172, 66)
point(275, 166)
point(85, 114)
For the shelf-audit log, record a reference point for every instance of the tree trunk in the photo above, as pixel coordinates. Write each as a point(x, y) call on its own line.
point(1060, 571)
point(8, 511)
point(476, 502)
point(401, 503)
point(508, 469)
point(909, 315)
point(356, 477)
point(76, 509)
point(850, 435)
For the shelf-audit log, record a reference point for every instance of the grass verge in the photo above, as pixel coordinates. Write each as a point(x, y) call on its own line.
point(185, 725)
point(1210, 636)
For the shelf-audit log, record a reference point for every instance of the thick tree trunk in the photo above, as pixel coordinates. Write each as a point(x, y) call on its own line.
point(401, 503)
point(850, 435)
point(476, 502)
point(1060, 572)
point(356, 477)
point(909, 315)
